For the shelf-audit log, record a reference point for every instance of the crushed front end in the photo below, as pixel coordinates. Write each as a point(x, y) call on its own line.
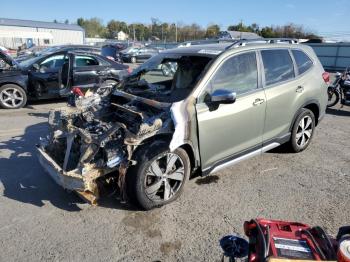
point(90, 149)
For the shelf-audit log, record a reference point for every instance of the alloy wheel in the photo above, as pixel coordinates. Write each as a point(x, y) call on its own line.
point(164, 177)
point(11, 97)
point(304, 131)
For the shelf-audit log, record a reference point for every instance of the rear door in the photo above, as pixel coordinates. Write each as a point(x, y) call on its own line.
point(87, 71)
point(232, 130)
point(282, 93)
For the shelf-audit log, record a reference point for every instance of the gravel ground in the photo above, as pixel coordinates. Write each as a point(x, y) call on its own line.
point(40, 221)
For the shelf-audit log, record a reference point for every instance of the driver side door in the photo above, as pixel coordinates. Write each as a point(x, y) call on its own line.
point(229, 131)
point(44, 80)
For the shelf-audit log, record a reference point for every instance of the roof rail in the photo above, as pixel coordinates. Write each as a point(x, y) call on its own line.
point(243, 42)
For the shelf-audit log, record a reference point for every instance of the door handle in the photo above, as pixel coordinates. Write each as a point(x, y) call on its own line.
point(258, 101)
point(299, 89)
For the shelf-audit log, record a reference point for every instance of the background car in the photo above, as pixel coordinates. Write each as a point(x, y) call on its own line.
point(53, 75)
point(137, 55)
point(36, 53)
point(112, 51)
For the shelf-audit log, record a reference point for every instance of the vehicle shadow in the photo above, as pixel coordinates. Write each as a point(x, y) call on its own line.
point(32, 103)
point(23, 178)
point(338, 112)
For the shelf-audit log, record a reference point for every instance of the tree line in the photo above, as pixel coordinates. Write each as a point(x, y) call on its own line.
point(179, 32)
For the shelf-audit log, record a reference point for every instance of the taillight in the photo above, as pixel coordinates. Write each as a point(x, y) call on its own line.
point(326, 77)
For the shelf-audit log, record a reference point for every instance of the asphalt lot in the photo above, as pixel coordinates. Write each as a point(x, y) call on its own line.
point(40, 221)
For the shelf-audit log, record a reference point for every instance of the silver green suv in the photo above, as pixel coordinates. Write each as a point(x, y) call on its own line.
point(215, 106)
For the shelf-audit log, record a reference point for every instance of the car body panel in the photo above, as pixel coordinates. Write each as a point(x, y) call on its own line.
point(230, 129)
point(12, 73)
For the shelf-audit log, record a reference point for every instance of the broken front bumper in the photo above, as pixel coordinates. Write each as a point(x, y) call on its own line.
point(83, 185)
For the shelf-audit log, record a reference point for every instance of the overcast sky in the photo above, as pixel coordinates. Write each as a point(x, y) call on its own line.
point(320, 16)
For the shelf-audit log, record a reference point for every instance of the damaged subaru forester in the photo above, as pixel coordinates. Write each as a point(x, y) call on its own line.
point(223, 103)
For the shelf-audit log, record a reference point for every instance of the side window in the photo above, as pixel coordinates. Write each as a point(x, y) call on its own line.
point(55, 61)
point(81, 60)
point(303, 62)
point(237, 74)
point(278, 66)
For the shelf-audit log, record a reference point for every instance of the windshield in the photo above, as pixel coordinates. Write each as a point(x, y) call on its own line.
point(36, 56)
point(167, 77)
point(29, 61)
point(47, 50)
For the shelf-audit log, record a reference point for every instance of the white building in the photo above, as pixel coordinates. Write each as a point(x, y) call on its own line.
point(122, 36)
point(15, 32)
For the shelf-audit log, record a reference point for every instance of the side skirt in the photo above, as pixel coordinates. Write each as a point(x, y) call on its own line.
point(240, 157)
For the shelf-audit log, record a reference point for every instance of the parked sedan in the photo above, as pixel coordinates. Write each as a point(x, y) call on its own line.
point(112, 51)
point(52, 76)
point(35, 52)
point(136, 55)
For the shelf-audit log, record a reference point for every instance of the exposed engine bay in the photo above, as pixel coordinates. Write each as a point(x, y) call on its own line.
point(102, 138)
point(91, 147)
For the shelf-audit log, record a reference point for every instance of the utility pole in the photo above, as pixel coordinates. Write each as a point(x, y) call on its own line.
point(162, 32)
point(176, 32)
point(133, 26)
point(240, 29)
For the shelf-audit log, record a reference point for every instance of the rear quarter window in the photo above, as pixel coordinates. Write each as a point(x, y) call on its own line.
point(278, 66)
point(303, 62)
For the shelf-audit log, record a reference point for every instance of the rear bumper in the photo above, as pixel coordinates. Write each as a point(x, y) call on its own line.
point(84, 186)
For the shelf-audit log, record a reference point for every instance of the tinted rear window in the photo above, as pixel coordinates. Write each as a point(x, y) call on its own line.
point(278, 66)
point(302, 60)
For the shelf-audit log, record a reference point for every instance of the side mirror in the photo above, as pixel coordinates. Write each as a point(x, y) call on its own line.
point(36, 67)
point(221, 96)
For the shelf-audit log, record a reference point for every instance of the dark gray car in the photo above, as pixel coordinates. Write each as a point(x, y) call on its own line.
point(136, 55)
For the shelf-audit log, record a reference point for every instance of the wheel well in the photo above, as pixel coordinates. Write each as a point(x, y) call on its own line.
point(167, 138)
point(12, 83)
point(314, 108)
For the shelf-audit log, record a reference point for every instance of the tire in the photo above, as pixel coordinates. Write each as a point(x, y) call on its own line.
point(333, 94)
point(12, 96)
point(302, 135)
point(133, 59)
point(143, 179)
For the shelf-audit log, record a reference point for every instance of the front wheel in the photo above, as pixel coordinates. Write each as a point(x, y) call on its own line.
point(12, 96)
point(159, 176)
point(333, 97)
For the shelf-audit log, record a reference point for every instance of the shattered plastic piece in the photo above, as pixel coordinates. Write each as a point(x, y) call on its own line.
point(114, 162)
